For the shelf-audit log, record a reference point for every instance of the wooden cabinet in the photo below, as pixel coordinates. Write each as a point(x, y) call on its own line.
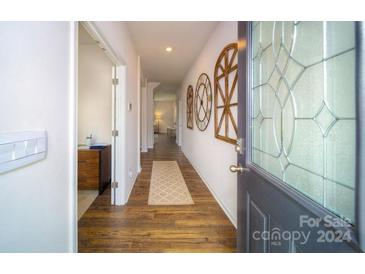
point(94, 169)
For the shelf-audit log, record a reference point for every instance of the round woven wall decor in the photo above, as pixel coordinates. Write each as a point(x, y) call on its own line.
point(190, 107)
point(203, 102)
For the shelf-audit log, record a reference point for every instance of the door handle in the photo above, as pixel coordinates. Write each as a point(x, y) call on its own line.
point(238, 168)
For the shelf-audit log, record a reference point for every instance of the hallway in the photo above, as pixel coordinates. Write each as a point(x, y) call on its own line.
point(182, 136)
point(137, 227)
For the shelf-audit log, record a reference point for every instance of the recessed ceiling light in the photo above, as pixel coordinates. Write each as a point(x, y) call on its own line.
point(169, 49)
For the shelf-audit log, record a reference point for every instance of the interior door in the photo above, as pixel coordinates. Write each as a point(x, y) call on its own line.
point(300, 97)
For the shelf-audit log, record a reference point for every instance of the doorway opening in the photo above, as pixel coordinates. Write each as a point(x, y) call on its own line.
point(96, 124)
point(165, 114)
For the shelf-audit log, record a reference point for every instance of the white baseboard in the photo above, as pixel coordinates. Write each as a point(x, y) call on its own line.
point(221, 204)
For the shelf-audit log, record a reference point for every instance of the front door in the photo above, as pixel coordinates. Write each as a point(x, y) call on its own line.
point(299, 176)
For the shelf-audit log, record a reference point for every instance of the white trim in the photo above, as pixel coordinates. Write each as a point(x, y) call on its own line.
point(95, 34)
point(114, 139)
point(72, 136)
point(138, 112)
point(221, 204)
point(131, 187)
point(121, 139)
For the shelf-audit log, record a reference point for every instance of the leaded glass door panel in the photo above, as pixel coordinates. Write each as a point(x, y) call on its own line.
point(297, 109)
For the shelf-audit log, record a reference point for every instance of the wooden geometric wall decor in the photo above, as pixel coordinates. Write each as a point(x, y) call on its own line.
point(225, 94)
point(190, 107)
point(203, 102)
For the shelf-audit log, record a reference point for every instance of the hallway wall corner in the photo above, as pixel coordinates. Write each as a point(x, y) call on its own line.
point(210, 156)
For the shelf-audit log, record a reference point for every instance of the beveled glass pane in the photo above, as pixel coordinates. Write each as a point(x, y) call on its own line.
point(255, 40)
point(256, 125)
point(340, 37)
point(340, 80)
point(282, 59)
point(288, 124)
point(282, 91)
point(266, 33)
point(267, 65)
point(340, 200)
point(340, 151)
point(307, 149)
point(308, 45)
point(308, 92)
point(256, 156)
point(306, 182)
point(284, 162)
point(288, 35)
point(268, 101)
point(293, 72)
point(275, 78)
point(268, 145)
point(256, 101)
point(303, 115)
point(271, 164)
point(277, 38)
point(256, 72)
point(277, 126)
point(325, 119)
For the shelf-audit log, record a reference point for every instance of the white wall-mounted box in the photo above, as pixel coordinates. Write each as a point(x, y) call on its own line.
point(19, 149)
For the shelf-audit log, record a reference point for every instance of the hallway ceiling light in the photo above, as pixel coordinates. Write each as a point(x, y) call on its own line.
point(169, 49)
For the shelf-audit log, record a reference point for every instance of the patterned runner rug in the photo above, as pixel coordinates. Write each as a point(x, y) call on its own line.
point(167, 185)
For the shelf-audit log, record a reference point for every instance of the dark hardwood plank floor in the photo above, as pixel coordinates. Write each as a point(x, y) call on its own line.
point(137, 227)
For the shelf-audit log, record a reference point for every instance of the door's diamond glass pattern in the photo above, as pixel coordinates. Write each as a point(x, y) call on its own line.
point(303, 108)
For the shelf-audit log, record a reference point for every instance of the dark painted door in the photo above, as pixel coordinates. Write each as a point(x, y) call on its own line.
point(300, 122)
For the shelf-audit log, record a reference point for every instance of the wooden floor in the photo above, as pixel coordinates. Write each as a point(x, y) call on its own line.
point(137, 227)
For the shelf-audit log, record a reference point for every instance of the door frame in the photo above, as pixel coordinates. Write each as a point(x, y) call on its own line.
point(119, 70)
point(118, 114)
point(360, 133)
point(356, 232)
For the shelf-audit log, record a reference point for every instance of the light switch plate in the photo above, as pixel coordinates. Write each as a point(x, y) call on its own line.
point(19, 149)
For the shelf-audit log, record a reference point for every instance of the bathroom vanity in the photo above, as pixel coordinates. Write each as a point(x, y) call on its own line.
point(94, 168)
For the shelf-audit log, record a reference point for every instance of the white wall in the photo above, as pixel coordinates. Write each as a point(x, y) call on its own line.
point(144, 119)
point(210, 156)
point(144, 145)
point(36, 92)
point(95, 94)
point(37, 203)
point(139, 90)
point(117, 36)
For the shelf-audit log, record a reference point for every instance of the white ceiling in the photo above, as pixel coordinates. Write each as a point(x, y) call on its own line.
point(151, 39)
